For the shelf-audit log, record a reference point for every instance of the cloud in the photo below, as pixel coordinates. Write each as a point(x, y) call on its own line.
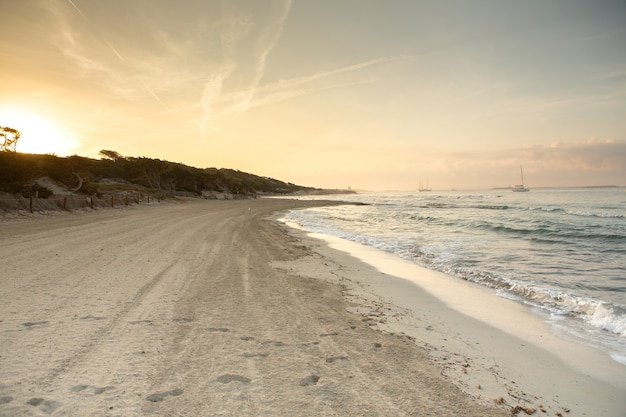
point(585, 162)
point(81, 38)
point(117, 54)
point(235, 26)
point(266, 44)
point(218, 100)
point(605, 155)
point(592, 155)
point(218, 58)
point(285, 89)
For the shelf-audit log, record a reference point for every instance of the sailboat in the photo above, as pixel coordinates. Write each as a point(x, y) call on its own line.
point(520, 188)
point(422, 188)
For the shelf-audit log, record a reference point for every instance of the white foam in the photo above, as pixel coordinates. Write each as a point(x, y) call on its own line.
point(618, 358)
point(604, 317)
point(484, 304)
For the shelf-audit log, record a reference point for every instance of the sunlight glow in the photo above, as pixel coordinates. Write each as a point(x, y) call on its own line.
point(39, 135)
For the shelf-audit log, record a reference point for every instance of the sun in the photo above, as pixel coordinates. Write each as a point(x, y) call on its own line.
point(38, 134)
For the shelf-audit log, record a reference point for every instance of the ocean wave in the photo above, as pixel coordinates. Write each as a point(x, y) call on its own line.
point(605, 215)
point(552, 233)
point(617, 357)
point(579, 212)
point(490, 207)
point(546, 209)
point(438, 205)
point(608, 317)
point(508, 251)
point(596, 313)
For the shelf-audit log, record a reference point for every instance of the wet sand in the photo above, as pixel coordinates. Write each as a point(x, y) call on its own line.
point(200, 308)
point(492, 348)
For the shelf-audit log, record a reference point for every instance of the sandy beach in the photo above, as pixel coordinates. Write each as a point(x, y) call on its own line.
point(211, 308)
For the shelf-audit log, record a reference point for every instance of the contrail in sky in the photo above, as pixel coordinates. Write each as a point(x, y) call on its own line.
point(89, 22)
point(244, 104)
point(241, 101)
point(291, 82)
point(78, 10)
point(271, 93)
point(154, 95)
point(117, 54)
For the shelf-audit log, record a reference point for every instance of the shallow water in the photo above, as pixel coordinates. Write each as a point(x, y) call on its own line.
point(560, 251)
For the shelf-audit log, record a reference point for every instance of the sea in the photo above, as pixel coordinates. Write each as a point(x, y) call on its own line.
point(561, 252)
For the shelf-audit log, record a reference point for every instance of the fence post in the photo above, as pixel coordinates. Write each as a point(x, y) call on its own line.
point(91, 201)
point(31, 203)
point(112, 201)
point(64, 203)
point(127, 200)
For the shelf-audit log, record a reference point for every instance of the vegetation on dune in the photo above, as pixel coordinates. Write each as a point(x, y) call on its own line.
point(19, 172)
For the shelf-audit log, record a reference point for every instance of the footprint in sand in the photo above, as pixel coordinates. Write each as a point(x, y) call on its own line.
point(273, 343)
point(336, 358)
point(30, 324)
point(255, 355)
point(6, 399)
point(217, 329)
point(47, 406)
point(160, 396)
point(94, 318)
point(228, 378)
point(94, 390)
point(309, 380)
point(141, 322)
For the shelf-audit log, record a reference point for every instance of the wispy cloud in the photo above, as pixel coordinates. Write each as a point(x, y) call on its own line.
point(224, 59)
point(233, 29)
point(116, 52)
point(237, 102)
point(289, 83)
point(89, 23)
point(247, 91)
point(592, 161)
point(266, 44)
point(218, 103)
point(293, 87)
point(78, 10)
point(89, 58)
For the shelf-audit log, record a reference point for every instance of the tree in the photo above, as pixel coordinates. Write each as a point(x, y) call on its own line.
point(115, 156)
point(9, 138)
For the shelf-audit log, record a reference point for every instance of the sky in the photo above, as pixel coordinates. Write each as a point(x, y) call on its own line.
point(367, 94)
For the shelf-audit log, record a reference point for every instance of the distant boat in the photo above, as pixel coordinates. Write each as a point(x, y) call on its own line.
point(520, 188)
point(422, 188)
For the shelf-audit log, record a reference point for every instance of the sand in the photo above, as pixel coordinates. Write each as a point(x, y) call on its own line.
point(206, 308)
point(492, 348)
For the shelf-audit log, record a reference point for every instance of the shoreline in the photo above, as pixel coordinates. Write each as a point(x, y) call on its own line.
point(495, 350)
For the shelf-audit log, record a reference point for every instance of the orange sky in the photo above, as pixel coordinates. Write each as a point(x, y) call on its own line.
point(361, 93)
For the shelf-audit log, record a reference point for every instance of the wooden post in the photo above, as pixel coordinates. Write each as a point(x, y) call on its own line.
point(64, 203)
point(91, 201)
point(112, 201)
point(31, 203)
point(127, 199)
